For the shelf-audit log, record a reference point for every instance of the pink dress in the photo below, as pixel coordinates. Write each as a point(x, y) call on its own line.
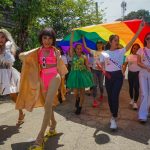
point(47, 74)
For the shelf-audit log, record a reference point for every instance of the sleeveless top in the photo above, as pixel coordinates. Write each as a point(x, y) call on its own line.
point(78, 63)
point(50, 59)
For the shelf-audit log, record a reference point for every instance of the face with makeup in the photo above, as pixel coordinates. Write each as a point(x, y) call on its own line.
point(135, 48)
point(47, 41)
point(114, 42)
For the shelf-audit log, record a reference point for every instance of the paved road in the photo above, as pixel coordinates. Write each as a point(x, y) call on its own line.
point(89, 131)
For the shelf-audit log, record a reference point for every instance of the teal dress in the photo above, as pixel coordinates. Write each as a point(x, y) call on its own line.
point(79, 76)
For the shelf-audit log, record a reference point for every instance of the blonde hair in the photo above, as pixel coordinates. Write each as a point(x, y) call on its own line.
point(11, 45)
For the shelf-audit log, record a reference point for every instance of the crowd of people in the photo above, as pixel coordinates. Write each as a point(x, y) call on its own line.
point(48, 74)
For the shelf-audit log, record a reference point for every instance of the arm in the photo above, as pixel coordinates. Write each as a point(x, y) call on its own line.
point(71, 51)
point(87, 63)
point(124, 67)
point(128, 46)
point(84, 43)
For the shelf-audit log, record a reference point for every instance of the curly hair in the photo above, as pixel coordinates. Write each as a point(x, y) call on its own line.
point(10, 41)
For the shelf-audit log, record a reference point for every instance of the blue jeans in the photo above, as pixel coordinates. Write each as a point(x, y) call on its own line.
point(113, 88)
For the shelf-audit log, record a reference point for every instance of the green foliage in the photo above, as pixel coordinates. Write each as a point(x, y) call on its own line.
point(137, 14)
point(30, 16)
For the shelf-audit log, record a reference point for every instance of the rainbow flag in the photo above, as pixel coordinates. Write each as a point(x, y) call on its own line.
point(125, 30)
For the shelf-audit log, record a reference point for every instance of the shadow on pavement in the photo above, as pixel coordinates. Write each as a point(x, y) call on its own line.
point(51, 144)
point(101, 138)
point(99, 118)
point(6, 132)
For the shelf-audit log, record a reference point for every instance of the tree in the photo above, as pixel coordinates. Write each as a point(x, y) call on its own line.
point(29, 16)
point(137, 14)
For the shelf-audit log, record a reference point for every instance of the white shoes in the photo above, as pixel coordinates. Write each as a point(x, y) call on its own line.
point(113, 124)
point(135, 106)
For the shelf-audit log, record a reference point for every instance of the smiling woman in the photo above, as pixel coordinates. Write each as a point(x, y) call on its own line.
point(40, 80)
point(144, 78)
point(9, 76)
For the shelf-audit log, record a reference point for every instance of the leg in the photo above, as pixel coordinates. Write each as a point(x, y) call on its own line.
point(82, 92)
point(117, 85)
point(100, 81)
point(79, 108)
point(130, 80)
point(148, 92)
point(136, 87)
point(21, 114)
point(143, 110)
point(52, 90)
point(94, 88)
point(76, 93)
point(109, 85)
point(63, 88)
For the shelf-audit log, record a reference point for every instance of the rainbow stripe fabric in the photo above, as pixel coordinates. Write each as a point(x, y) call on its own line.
point(125, 30)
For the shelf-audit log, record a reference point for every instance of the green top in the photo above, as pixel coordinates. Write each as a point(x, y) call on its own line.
point(78, 63)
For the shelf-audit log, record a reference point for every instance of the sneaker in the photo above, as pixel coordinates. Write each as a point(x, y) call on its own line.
point(113, 124)
point(135, 106)
point(131, 102)
point(95, 103)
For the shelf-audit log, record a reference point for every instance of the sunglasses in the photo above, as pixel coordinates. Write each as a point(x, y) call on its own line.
point(147, 39)
point(44, 62)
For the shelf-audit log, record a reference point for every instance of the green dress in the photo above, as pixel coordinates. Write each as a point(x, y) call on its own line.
point(79, 76)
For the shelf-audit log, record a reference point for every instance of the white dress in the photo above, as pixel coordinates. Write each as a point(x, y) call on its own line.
point(9, 76)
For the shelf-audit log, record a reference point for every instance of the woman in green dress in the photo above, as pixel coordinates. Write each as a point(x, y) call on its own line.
point(80, 76)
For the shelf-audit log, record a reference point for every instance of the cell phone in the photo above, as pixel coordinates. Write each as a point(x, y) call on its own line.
point(147, 20)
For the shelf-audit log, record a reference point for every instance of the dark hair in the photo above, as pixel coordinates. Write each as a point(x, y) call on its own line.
point(145, 42)
point(100, 42)
point(78, 45)
point(112, 37)
point(108, 45)
point(133, 46)
point(48, 32)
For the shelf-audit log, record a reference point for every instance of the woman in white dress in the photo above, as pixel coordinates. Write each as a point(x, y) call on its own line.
point(9, 76)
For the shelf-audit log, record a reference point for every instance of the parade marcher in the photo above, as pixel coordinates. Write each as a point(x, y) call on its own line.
point(9, 76)
point(133, 75)
point(40, 80)
point(97, 74)
point(112, 61)
point(80, 76)
point(144, 78)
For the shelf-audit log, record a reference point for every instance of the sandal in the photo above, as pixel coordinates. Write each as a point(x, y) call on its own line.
point(20, 120)
point(36, 147)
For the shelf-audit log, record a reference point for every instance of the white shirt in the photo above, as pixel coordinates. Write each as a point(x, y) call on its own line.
point(144, 59)
point(132, 63)
point(113, 60)
point(64, 58)
point(96, 55)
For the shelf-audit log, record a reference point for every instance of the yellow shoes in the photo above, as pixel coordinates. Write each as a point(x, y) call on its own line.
point(36, 147)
